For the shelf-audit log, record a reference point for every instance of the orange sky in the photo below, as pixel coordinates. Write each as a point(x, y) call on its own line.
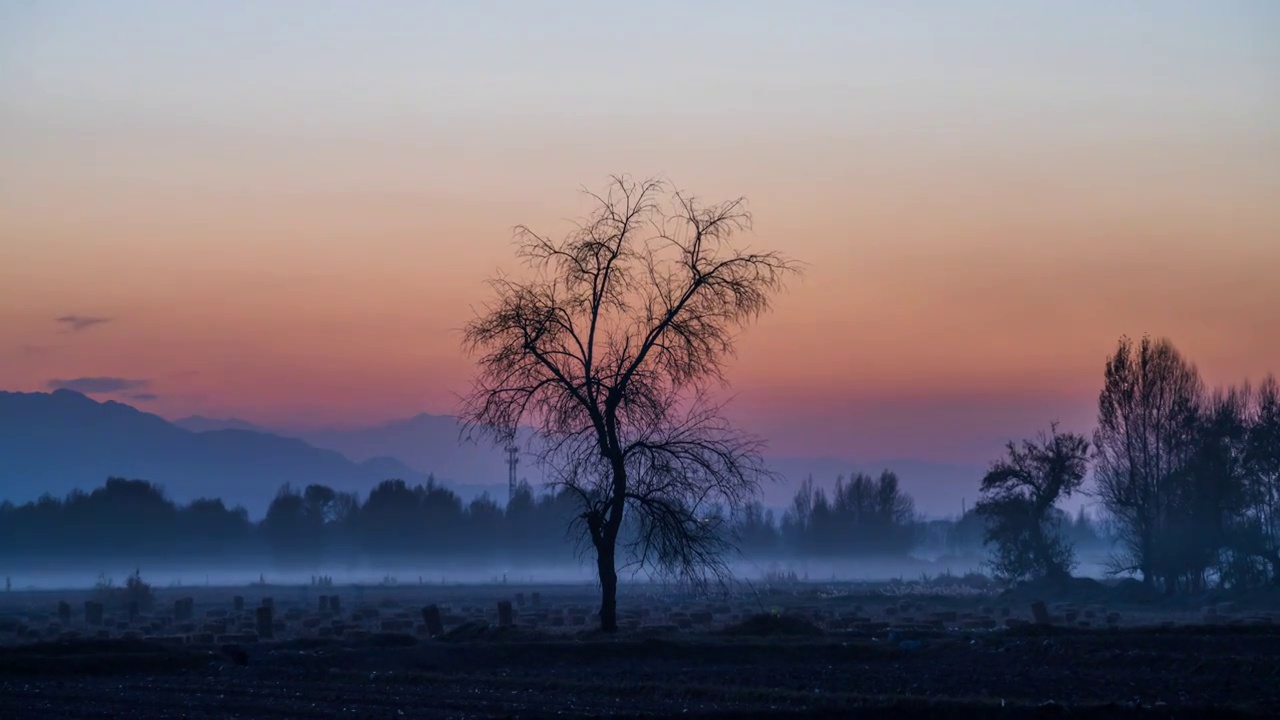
point(294, 237)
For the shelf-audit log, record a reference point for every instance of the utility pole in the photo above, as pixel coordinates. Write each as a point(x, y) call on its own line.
point(512, 460)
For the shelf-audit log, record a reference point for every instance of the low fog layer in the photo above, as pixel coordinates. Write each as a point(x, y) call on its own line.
point(1213, 521)
point(114, 572)
point(401, 534)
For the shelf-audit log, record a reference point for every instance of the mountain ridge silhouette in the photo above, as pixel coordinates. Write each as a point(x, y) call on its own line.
point(63, 440)
point(57, 442)
point(939, 488)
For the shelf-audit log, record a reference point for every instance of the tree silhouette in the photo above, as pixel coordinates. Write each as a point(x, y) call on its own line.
point(293, 533)
point(209, 527)
point(1210, 489)
point(610, 351)
point(1256, 533)
point(754, 530)
point(863, 517)
point(1019, 493)
point(874, 516)
point(1148, 416)
point(393, 522)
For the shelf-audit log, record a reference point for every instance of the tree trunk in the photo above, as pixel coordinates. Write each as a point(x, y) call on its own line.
point(608, 587)
point(1146, 556)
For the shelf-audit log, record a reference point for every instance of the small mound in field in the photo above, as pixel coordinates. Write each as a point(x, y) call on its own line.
point(475, 631)
point(1071, 589)
point(465, 631)
point(306, 644)
point(770, 625)
point(1133, 592)
point(389, 640)
point(236, 654)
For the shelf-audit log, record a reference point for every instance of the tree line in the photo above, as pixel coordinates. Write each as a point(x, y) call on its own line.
point(1190, 475)
point(314, 526)
point(1189, 479)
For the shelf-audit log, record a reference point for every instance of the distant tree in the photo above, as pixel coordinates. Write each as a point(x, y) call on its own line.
point(137, 590)
point(209, 527)
point(797, 520)
point(557, 529)
point(610, 351)
point(393, 521)
point(9, 530)
point(755, 532)
point(1256, 531)
point(293, 532)
point(1148, 417)
point(1019, 494)
point(1083, 530)
point(130, 518)
point(864, 516)
point(521, 520)
point(331, 517)
point(442, 517)
point(1208, 491)
point(873, 516)
point(485, 522)
point(968, 533)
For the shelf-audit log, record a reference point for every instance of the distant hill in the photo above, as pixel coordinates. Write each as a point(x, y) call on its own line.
point(429, 444)
point(60, 441)
point(199, 423)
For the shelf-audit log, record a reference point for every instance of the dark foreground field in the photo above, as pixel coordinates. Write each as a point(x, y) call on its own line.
point(819, 655)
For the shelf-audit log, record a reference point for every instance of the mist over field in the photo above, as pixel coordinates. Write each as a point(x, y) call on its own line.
point(247, 573)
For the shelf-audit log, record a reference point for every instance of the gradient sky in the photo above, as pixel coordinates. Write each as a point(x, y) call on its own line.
point(283, 211)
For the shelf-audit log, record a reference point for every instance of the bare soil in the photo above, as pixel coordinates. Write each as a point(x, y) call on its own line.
point(805, 652)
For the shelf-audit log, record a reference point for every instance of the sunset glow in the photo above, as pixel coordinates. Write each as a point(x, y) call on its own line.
point(286, 215)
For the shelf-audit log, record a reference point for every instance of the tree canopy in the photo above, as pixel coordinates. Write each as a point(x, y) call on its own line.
point(609, 348)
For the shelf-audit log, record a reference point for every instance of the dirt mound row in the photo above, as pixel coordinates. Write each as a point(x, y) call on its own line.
point(774, 625)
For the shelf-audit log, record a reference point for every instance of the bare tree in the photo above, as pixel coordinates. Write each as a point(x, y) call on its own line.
point(1148, 416)
point(1019, 497)
point(610, 352)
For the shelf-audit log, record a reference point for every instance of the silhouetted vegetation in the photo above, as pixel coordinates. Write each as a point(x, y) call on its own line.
point(1188, 479)
point(1019, 493)
point(136, 593)
point(863, 517)
point(134, 520)
point(609, 350)
point(1191, 477)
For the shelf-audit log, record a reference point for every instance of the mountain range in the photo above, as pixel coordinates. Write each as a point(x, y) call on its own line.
point(427, 443)
point(60, 441)
point(430, 443)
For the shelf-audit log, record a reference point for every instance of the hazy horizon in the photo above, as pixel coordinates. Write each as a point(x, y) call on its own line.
point(283, 212)
point(423, 447)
